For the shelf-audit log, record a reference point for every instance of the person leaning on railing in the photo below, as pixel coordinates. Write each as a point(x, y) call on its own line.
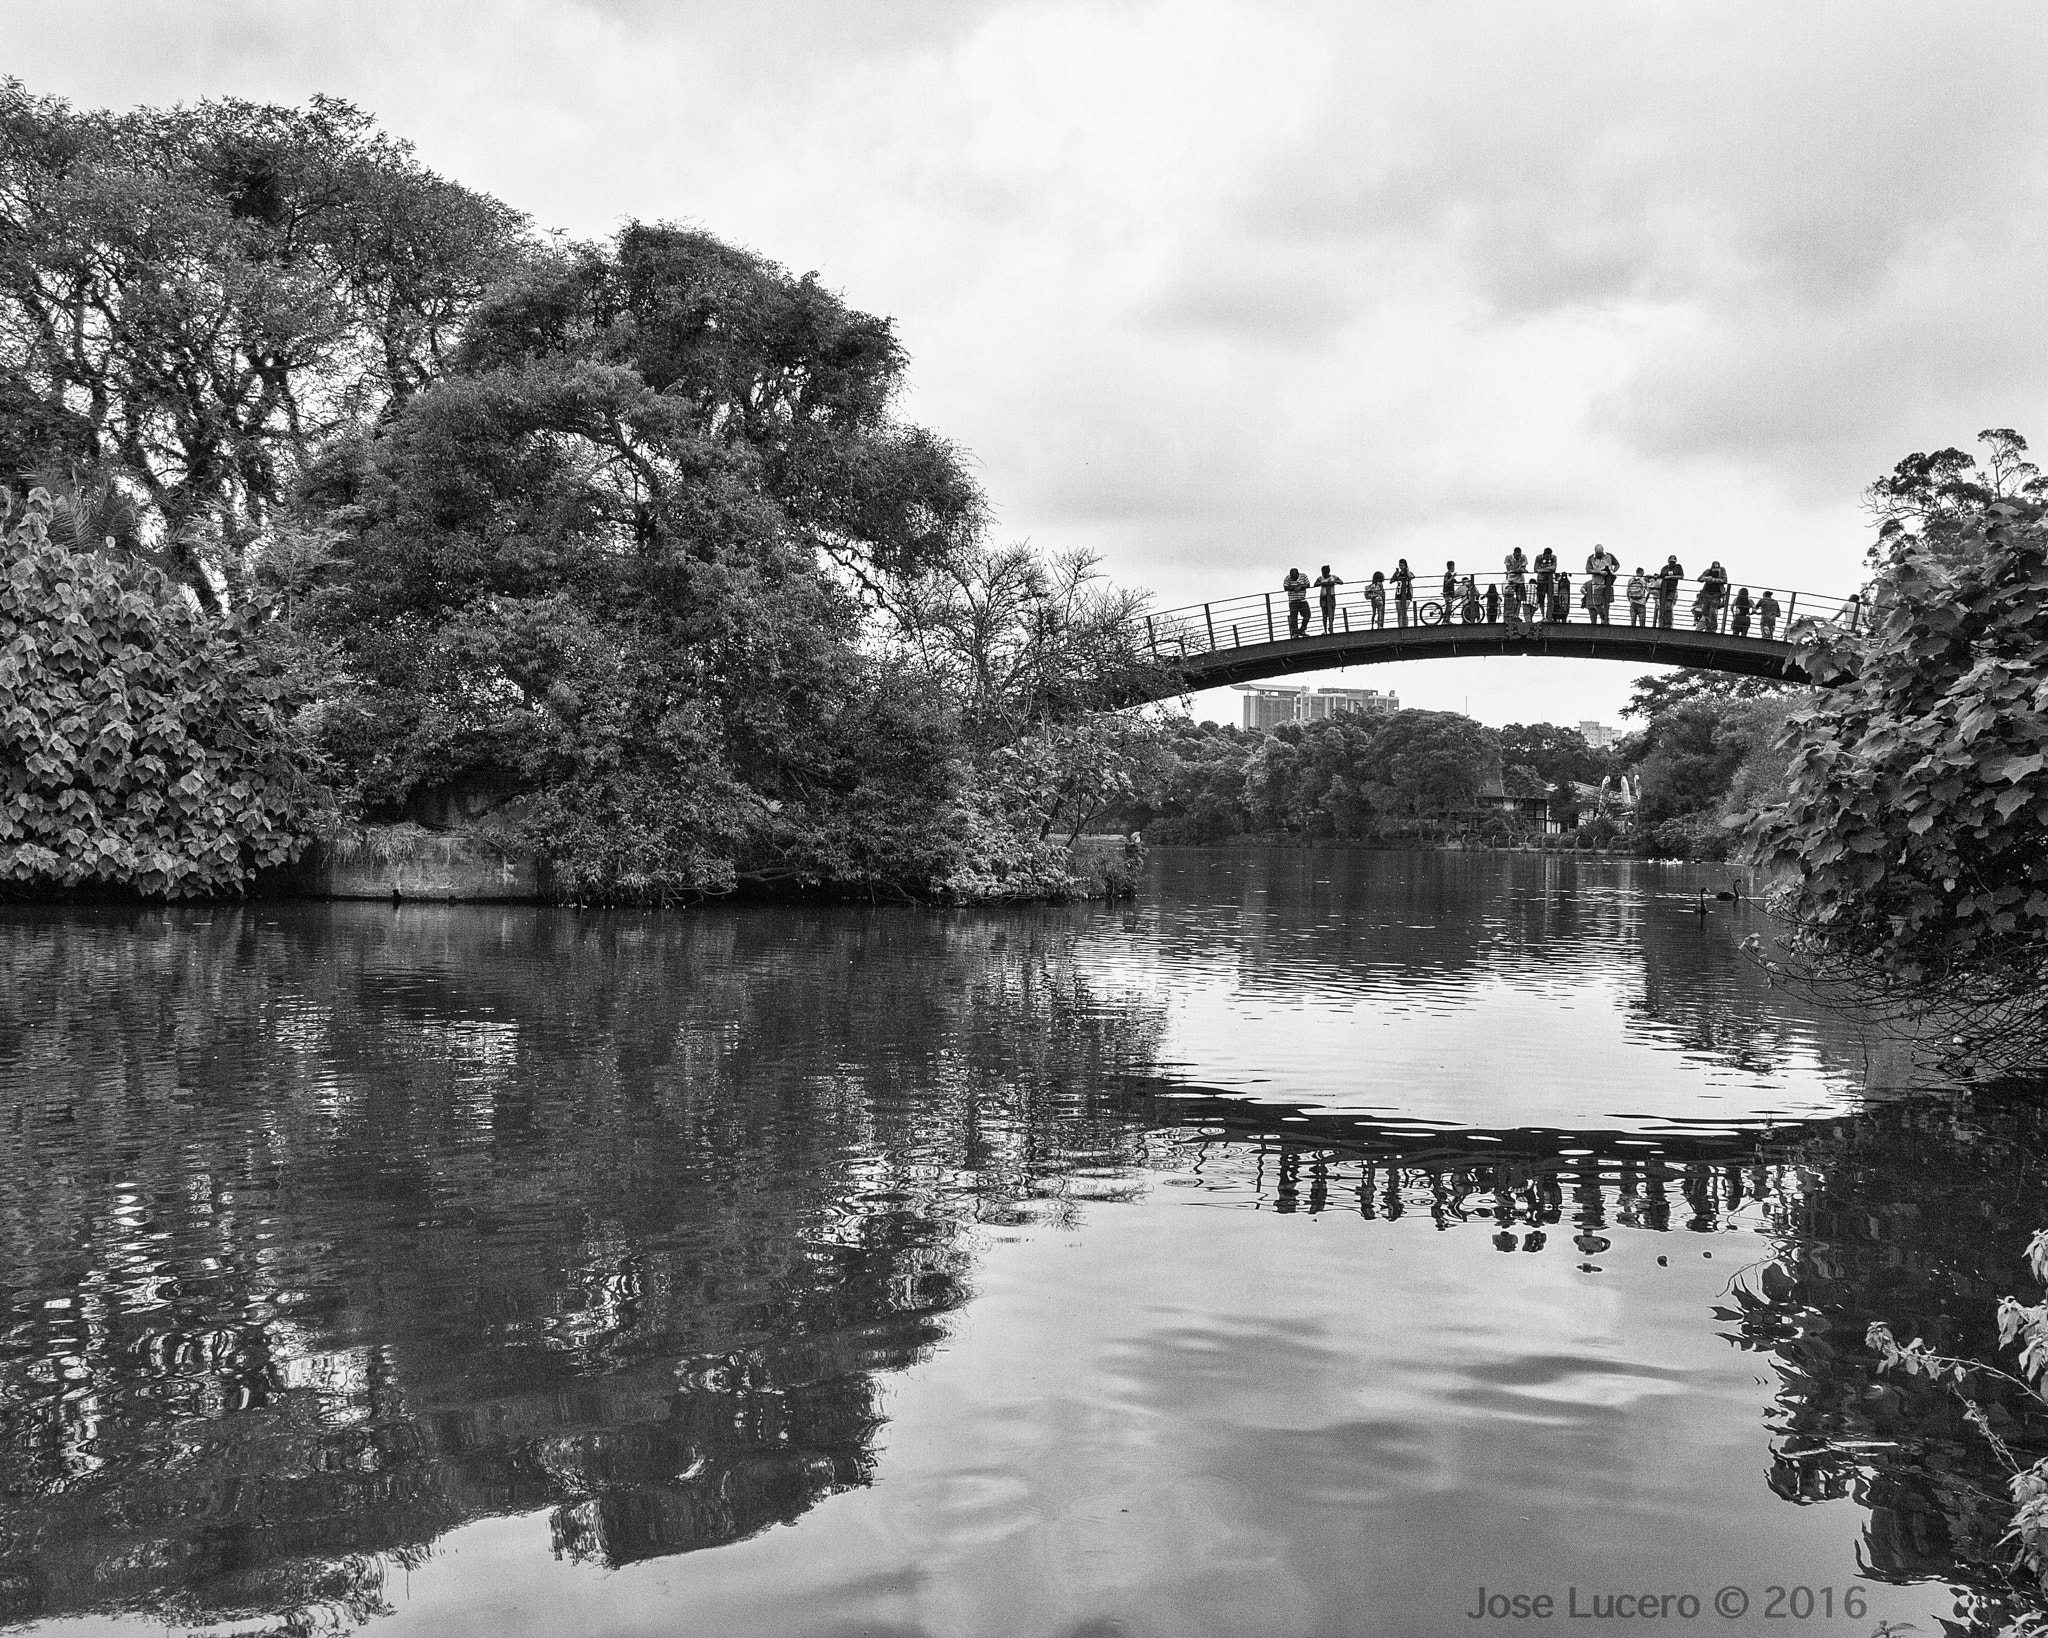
point(1767, 614)
point(1296, 588)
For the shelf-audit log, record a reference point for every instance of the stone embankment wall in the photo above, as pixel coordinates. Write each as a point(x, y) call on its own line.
point(410, 862)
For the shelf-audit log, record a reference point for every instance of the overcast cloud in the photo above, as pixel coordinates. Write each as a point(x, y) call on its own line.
point(1216, 288)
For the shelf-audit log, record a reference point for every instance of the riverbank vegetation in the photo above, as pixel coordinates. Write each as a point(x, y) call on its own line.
point(1914, 815)
point(619, 552)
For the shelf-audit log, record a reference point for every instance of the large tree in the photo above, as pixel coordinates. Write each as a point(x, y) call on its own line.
point(198, 300)
point(613, 562)
point(1916, 808)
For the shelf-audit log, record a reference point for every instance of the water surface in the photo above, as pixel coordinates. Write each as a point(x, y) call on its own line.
point(1290, 1252)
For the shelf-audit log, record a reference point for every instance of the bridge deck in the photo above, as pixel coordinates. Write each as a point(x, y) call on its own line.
point(1637, 645)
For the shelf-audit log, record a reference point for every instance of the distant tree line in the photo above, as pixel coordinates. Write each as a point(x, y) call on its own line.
point(1705, 748)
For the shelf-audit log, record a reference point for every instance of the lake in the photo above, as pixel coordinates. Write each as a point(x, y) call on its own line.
point(1295, 1251)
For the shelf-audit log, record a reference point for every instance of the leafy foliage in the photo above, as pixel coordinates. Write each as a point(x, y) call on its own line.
point(145, 745)
point(2020, 1326)
point(1916, 808)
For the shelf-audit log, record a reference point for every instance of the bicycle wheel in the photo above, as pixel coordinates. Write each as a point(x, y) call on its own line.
point(1429, 614)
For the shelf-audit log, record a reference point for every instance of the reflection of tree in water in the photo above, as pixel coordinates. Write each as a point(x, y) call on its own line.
point(328, 1231)
point(1350, 912)
point(1917, 1214)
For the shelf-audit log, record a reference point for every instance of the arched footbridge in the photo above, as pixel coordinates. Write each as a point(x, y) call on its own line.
point(1245, 639)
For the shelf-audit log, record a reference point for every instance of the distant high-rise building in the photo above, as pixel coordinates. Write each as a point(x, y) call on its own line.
point(1267, 706)
point(1325, 703)
point(1599, 735)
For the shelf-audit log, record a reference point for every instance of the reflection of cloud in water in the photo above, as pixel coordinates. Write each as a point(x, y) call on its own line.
point(1473, 989)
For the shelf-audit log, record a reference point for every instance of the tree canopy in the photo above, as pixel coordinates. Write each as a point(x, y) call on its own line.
point(199, 299)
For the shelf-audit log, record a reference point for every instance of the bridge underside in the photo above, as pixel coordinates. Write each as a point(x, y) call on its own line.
point(1634, 645)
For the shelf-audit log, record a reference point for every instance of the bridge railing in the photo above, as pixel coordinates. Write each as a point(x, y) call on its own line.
point(1694, 605)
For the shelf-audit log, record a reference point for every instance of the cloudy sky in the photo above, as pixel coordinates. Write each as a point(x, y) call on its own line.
point(1211, 289)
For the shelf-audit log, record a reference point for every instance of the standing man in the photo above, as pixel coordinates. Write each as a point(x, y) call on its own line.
point(1767, 613)
point(1546, 573)
point(1450, 592)
point(1668, 579)
point(1715, 583)
point(1296, 587)
point(1601, 569)
point(1638, 598)
point(1326, 593)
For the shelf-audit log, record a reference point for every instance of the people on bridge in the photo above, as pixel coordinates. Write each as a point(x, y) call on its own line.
point(1516, 563)
point(1404, 591)
point(1469, 609)
point(1703, 607)
point(1520, 611)
point(1739, 624)
point(1715, 583)
point(1852, 612)
point(1767, 614)
point(1602, 569)
point(1326, 593)
point(1296, 587)
point(1668, 579)
point(1450, 589)
point(1546, 572)
point(1638, 598)
point(1376, 600)
point(1561, 598)
point(1492, 604)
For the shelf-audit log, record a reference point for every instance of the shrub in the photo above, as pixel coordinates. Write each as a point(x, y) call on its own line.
point(144, 745)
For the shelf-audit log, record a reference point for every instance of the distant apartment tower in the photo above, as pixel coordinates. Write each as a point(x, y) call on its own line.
point(1599, 735)
point(1266, 707)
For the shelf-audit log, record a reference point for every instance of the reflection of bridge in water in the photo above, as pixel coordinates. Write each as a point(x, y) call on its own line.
point(1244, 639)
point(1879, 1214)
